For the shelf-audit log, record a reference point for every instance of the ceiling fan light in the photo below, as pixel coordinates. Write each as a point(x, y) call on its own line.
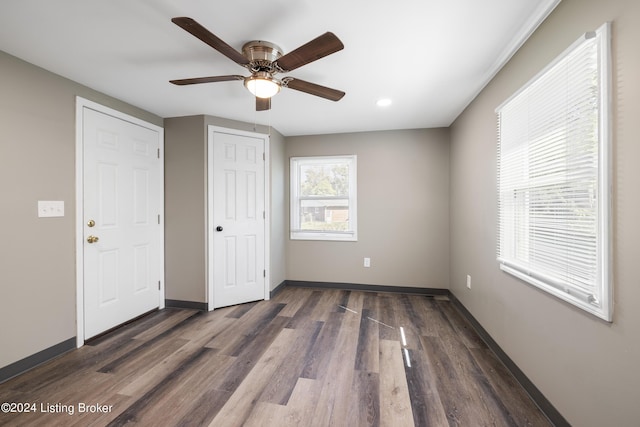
point(262, 87)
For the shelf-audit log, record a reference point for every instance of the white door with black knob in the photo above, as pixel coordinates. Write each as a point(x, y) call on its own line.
point(237, 217)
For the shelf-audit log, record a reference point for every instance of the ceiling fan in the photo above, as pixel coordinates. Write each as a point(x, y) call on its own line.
point(264, 60)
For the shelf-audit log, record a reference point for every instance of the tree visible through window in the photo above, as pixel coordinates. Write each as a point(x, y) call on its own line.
point(323, 198)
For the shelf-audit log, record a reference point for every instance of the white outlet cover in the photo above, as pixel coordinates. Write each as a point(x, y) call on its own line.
point(50, 208)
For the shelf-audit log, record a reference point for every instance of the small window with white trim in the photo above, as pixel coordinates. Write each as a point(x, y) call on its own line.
point(554, 177)
point(323, 198)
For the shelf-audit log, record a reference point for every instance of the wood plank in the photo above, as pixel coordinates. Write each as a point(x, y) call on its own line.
point(333, 406)
point(304, 312)
point(116, 402)
point(61, 371)
point(208, 327)
point(130, 330)
point(204, 409)
point(249, 356)
point(365, 407)
point(141, 407)
point(179, 316)
point(466, 396)
point(319, 355)
point(293, 298)
point(423, 390)
point(268, 414)
point(515, 399)
point(143, 357)
point(184, 395)
point(395, 403)
point(302, 404)
point(405, 318)
point(367, 351)
point(147, 346)
point(190, 400)
point(240, 310)
point(460, 325)
point(430, 320)
point(284, 378)
point(240, 404)
point(388, 329)
point(330, 302)
point(231, 340)
point(136, 385)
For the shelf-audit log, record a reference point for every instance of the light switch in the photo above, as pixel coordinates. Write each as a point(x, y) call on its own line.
point(49, 208)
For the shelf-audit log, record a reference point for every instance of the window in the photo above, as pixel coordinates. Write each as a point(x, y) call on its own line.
point(323, 198)
point(553, 177)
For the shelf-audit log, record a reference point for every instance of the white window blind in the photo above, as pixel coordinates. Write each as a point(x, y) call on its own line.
point(553, 177)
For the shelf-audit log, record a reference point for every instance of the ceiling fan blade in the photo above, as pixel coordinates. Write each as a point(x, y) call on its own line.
point(263, 104)
point(314, 89)
point(211, 79)
point(317, 48)
point(209, 38)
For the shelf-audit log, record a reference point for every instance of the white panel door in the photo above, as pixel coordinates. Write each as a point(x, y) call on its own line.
point(122, 187)
point(237, 218)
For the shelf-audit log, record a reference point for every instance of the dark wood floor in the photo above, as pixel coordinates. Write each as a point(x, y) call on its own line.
point(305, 358)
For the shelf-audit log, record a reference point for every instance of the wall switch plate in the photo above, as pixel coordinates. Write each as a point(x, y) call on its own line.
point(367, 262)
point(468, 281)
point(49, 208)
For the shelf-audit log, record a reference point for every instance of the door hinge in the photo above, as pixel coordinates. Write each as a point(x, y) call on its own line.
point(159, 287)
point(158, 219)
point(264, 273)
point(264, 215)
point(264, 156)
point(158, 153)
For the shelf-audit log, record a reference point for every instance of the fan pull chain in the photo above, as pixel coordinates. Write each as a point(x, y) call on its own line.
point(270, 109)
point(255, 120)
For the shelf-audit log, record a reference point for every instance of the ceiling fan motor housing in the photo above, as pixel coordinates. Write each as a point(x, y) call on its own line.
point(261, 54)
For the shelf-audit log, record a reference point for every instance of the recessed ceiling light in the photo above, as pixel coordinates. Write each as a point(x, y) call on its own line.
point(384, 102)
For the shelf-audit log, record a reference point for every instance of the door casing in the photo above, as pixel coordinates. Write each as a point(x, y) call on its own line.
point(81, 104)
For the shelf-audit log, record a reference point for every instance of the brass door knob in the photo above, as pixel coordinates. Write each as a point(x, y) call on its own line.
point(91, 223)
point(92, 239)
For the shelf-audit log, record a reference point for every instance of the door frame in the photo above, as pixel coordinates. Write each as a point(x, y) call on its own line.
point(211, 129)
point(81, 104)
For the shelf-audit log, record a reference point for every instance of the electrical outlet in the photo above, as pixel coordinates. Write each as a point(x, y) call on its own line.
point(468, 281)
point(367, 262)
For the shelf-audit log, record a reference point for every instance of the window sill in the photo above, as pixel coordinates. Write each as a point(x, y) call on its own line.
point(320, 236)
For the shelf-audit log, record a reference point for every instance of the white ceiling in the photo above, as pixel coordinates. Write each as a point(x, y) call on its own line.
point(431, 57)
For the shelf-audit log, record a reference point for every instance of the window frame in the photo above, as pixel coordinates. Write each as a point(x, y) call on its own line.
point(599, 301)
point(296, 233)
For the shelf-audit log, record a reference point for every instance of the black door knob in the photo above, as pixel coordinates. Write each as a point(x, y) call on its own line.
point(219, 228)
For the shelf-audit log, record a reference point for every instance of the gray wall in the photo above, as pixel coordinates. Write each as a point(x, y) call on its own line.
point(586, 367)
point(37, 162)
point(279, 208)
point(403, 211)
point(185, 199)
point(185, 173)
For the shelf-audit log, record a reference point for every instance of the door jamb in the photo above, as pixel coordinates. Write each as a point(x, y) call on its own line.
point(211, 129)
point(81, 104)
